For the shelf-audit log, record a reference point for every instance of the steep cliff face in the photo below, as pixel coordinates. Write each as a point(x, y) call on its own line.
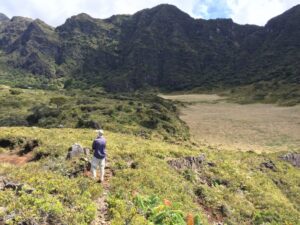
point(158, 47)
point(10, 30)
point(3, 18)
point(35, 49)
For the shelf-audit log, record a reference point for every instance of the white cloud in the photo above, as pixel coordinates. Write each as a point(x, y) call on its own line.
point(258, 11)
point(55, 12)
point(202, 9)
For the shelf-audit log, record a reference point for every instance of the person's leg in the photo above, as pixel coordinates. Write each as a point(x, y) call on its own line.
point(94, 165)
point(102, 171)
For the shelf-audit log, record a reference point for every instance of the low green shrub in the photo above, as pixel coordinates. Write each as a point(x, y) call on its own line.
point(51, 198)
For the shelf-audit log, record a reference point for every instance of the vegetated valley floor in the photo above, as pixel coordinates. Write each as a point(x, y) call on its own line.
point(152, 181)
point(257, 127)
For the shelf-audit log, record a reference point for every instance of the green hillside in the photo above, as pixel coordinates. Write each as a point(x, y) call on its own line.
point(144, 115)
point(161, 47)
point(229, 187)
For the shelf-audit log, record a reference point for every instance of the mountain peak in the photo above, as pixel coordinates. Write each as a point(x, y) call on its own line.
point(42, 24)
point(21, 19)
point(288, 18)
point(161, 14)
point(168, 9)
point(82, 16)
point(81, 23)
point(3, 17)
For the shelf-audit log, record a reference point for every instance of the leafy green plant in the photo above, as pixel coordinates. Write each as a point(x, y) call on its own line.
point(160, 212)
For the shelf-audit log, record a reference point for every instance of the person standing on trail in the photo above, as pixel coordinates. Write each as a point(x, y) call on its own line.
point(99, 148)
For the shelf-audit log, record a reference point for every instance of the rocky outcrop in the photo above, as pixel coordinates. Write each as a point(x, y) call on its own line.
point(3, 18)
point(11, 30)
point(35, 49)
point(76, 150)
point(189, 162)
point(269, 164)
point(293, 158)
point(7, 184)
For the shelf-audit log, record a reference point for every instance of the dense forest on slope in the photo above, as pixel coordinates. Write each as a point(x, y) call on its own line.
point(159, 47)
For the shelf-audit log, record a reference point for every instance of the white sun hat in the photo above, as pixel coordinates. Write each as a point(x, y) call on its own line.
point(100, 132)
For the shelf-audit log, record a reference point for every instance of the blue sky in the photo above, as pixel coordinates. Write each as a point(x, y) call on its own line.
point(55, 12)
point(208, 9)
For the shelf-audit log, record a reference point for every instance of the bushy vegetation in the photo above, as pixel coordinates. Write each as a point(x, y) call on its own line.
point(233, 187)
point(47, 197)
point(281, 93)
point(142, 115)
point(242, 190)
point(152, 210)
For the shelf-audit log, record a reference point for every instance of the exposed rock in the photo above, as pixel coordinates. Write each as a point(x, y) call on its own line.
point(4, 184)
point(12, 30)
point(86, 151)
point(3, 17)
point(30, 222)
point(189, 162)
point(293, 158)
point(12, 185)
point(269, 165)
point(80, 160)
point(77, 150)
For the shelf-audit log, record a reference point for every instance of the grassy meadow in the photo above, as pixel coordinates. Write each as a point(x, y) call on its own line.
point(249, 127)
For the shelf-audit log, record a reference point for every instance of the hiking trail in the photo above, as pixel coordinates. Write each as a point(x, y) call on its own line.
point(102, 214)
point(15, 159)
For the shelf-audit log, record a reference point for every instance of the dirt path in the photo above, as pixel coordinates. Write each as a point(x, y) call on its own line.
point(15, 159)
point(102, 214)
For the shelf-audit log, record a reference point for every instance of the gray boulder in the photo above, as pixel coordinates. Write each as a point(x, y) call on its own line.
point(76, 150)
point(293, 158)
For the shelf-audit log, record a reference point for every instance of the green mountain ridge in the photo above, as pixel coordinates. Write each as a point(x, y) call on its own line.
point(160, 47)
